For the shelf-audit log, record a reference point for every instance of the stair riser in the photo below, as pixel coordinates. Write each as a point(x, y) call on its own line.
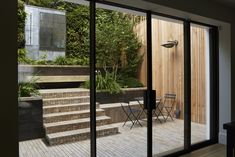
point(65, 109)
point(82, 136)
point(65, 101)
point(69, 127)
point(65, 94)
point(70, 117)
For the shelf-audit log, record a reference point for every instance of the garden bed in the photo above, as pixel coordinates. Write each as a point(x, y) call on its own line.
point(55, 76)
point(127, 94)
point(53, 70)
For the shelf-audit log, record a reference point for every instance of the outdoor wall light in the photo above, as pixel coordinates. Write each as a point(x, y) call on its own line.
point(170, 44)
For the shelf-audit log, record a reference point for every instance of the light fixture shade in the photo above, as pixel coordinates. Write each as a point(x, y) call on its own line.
point(170, 44)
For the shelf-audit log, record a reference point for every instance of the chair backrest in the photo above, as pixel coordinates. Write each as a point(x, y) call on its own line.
point(169, 99)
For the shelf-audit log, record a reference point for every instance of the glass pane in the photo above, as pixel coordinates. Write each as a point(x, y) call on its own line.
point(200, 82)
point(52, 31)
point(168, 81)
point(121, 80)
point(52, 68)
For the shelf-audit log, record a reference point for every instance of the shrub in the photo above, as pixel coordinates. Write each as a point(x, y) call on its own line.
point(26, 89)
point(61, 60)
point(22, 58)
point(105, 82)
point(129, 82)
point(42, 60)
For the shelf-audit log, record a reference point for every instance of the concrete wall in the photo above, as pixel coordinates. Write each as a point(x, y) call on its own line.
point(32, 33)
point(211, 13)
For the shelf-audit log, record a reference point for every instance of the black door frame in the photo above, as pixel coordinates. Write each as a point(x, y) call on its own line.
point(214, 79)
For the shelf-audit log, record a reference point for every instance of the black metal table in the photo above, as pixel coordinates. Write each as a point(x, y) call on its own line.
point(158, 100)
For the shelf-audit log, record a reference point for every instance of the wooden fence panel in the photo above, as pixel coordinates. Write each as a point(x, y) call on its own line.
point(168, 64)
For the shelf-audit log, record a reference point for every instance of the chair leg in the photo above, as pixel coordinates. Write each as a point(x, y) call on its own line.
point(169, 113)
point(154, 112)
point(161, 113)
point(128, 117)
point(125, 121)
point(137, 118)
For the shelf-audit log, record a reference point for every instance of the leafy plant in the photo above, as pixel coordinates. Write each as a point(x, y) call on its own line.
point(61, 60)
point(21, 16)
point(22, 58)
point(129, 82)
point(30, 88)
point(42, 60)
point(105, 82)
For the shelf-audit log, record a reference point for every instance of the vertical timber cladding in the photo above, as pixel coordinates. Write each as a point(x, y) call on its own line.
point(168, 64)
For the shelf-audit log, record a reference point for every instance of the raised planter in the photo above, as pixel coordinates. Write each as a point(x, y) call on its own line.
point(111, 103)
point(53, 70)
point(30, 118)
point(127, 94)
point(55, 76)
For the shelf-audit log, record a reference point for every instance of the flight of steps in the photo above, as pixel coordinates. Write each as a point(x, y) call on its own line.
point(66, 116)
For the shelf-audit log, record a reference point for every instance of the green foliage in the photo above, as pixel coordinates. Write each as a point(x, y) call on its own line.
point(44, 3)
point(27, 89)
point(21, 16)
point(115, 38)
point(22, 58)
point(117, 46)
point(61, 61)
point(42, 60)
point(129, 82)
point(71, 60)
point(105, 82)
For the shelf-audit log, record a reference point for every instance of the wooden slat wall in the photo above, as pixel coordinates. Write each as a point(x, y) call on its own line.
point(198, 74)
point(168, 75)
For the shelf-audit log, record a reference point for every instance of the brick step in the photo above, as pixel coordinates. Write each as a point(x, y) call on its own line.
point(62, 93)
point(67, 100)
point(74, 124)
point(80, 134)
point(67, 107)
point(72, 115)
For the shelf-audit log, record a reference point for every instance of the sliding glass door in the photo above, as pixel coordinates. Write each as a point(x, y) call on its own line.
point(200, 84)
point(168, 81)
point(121, 121)
point(114, 81)
point(151, 82)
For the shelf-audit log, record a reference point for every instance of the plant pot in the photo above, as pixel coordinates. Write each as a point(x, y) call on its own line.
point(177, 113)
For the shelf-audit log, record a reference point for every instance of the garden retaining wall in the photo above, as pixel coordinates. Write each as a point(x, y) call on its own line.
point(30, 118)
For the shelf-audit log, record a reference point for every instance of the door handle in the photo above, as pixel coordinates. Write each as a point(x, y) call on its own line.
point(150, 99)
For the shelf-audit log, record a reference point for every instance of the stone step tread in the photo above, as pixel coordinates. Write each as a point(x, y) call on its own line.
point(59, 78)
point(63, 98)
point(66, 105)
point(63, 90)
point(79, 131)
point(76, 121)
point(69, 113)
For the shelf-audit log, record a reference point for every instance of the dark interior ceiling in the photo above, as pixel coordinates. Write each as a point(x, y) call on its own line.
point(228, 3)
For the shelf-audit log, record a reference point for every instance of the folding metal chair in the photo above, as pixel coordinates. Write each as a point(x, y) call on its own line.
point(159, 108)
point(168, 105)
point(140, 101)
point(132, 114)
